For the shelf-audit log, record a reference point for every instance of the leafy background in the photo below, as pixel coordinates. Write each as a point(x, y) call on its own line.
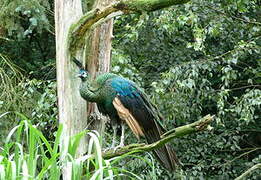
point(194, 59)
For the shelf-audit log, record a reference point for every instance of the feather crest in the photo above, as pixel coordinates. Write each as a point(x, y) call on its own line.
point(78, 63)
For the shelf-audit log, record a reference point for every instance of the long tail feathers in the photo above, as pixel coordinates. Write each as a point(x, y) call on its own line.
point(142, 117)
point(167, 157)
point(165, 154)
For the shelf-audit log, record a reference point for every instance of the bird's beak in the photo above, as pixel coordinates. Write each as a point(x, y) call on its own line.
point(78, 75)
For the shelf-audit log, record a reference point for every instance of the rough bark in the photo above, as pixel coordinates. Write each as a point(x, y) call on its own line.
point(98, 56)
point(72, 108)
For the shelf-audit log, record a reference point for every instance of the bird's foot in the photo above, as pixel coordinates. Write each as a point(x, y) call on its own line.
point(93, 117)
point(111, 147)
point(114, 148)
point(118, 147)
point(107, 149)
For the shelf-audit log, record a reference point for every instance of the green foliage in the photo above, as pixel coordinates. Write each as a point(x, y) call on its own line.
point(199, 58)
point(121, 64)
point(27, 154)
point(193, 59)
point(23, 17)
point(36, 99)
point(28, 38)
point(10, 74)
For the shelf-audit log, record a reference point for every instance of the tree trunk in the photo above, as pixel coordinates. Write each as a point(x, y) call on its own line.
point(72, 108)
point(98, 57)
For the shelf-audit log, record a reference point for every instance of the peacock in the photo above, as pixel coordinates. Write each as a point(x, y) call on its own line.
point(125, 103)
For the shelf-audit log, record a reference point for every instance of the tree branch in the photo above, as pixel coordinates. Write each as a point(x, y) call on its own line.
point(197, 126)
point(234, 17)
point(146, 5)
point(242, 176)
point(79, 30)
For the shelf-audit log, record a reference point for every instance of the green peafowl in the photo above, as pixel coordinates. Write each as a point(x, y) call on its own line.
point(124, 102)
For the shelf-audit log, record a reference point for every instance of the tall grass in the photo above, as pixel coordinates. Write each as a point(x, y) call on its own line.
point(27, 155)
point(10, 75)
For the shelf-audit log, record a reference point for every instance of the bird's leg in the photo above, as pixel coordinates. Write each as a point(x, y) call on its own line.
point(114, 127)
point(122, 135)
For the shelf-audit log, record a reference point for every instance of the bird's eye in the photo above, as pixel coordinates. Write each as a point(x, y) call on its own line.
point(84, 74)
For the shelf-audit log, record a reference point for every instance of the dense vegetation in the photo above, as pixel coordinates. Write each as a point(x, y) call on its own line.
point(200, 58)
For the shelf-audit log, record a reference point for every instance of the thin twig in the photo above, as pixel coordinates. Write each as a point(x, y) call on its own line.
point(233, 17)
point(241, 155)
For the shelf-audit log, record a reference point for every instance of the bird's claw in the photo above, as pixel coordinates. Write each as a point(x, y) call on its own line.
point(93, 117)
point(107, 149)
point(117, 147)
point(114, 148)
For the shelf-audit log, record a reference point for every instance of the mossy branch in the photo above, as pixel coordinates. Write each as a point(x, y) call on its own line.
point(197, 126)
point(79, 30)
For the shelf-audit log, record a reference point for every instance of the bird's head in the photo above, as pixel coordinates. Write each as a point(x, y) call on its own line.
point(83, 74)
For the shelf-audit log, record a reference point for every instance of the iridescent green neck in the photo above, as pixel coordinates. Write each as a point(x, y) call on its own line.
point(88, 91)
point(91, 90)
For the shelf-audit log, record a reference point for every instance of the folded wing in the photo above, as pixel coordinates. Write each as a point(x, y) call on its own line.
point(133, 107)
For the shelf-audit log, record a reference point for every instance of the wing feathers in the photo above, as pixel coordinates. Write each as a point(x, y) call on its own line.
point(134, 107)
point(125, 114)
